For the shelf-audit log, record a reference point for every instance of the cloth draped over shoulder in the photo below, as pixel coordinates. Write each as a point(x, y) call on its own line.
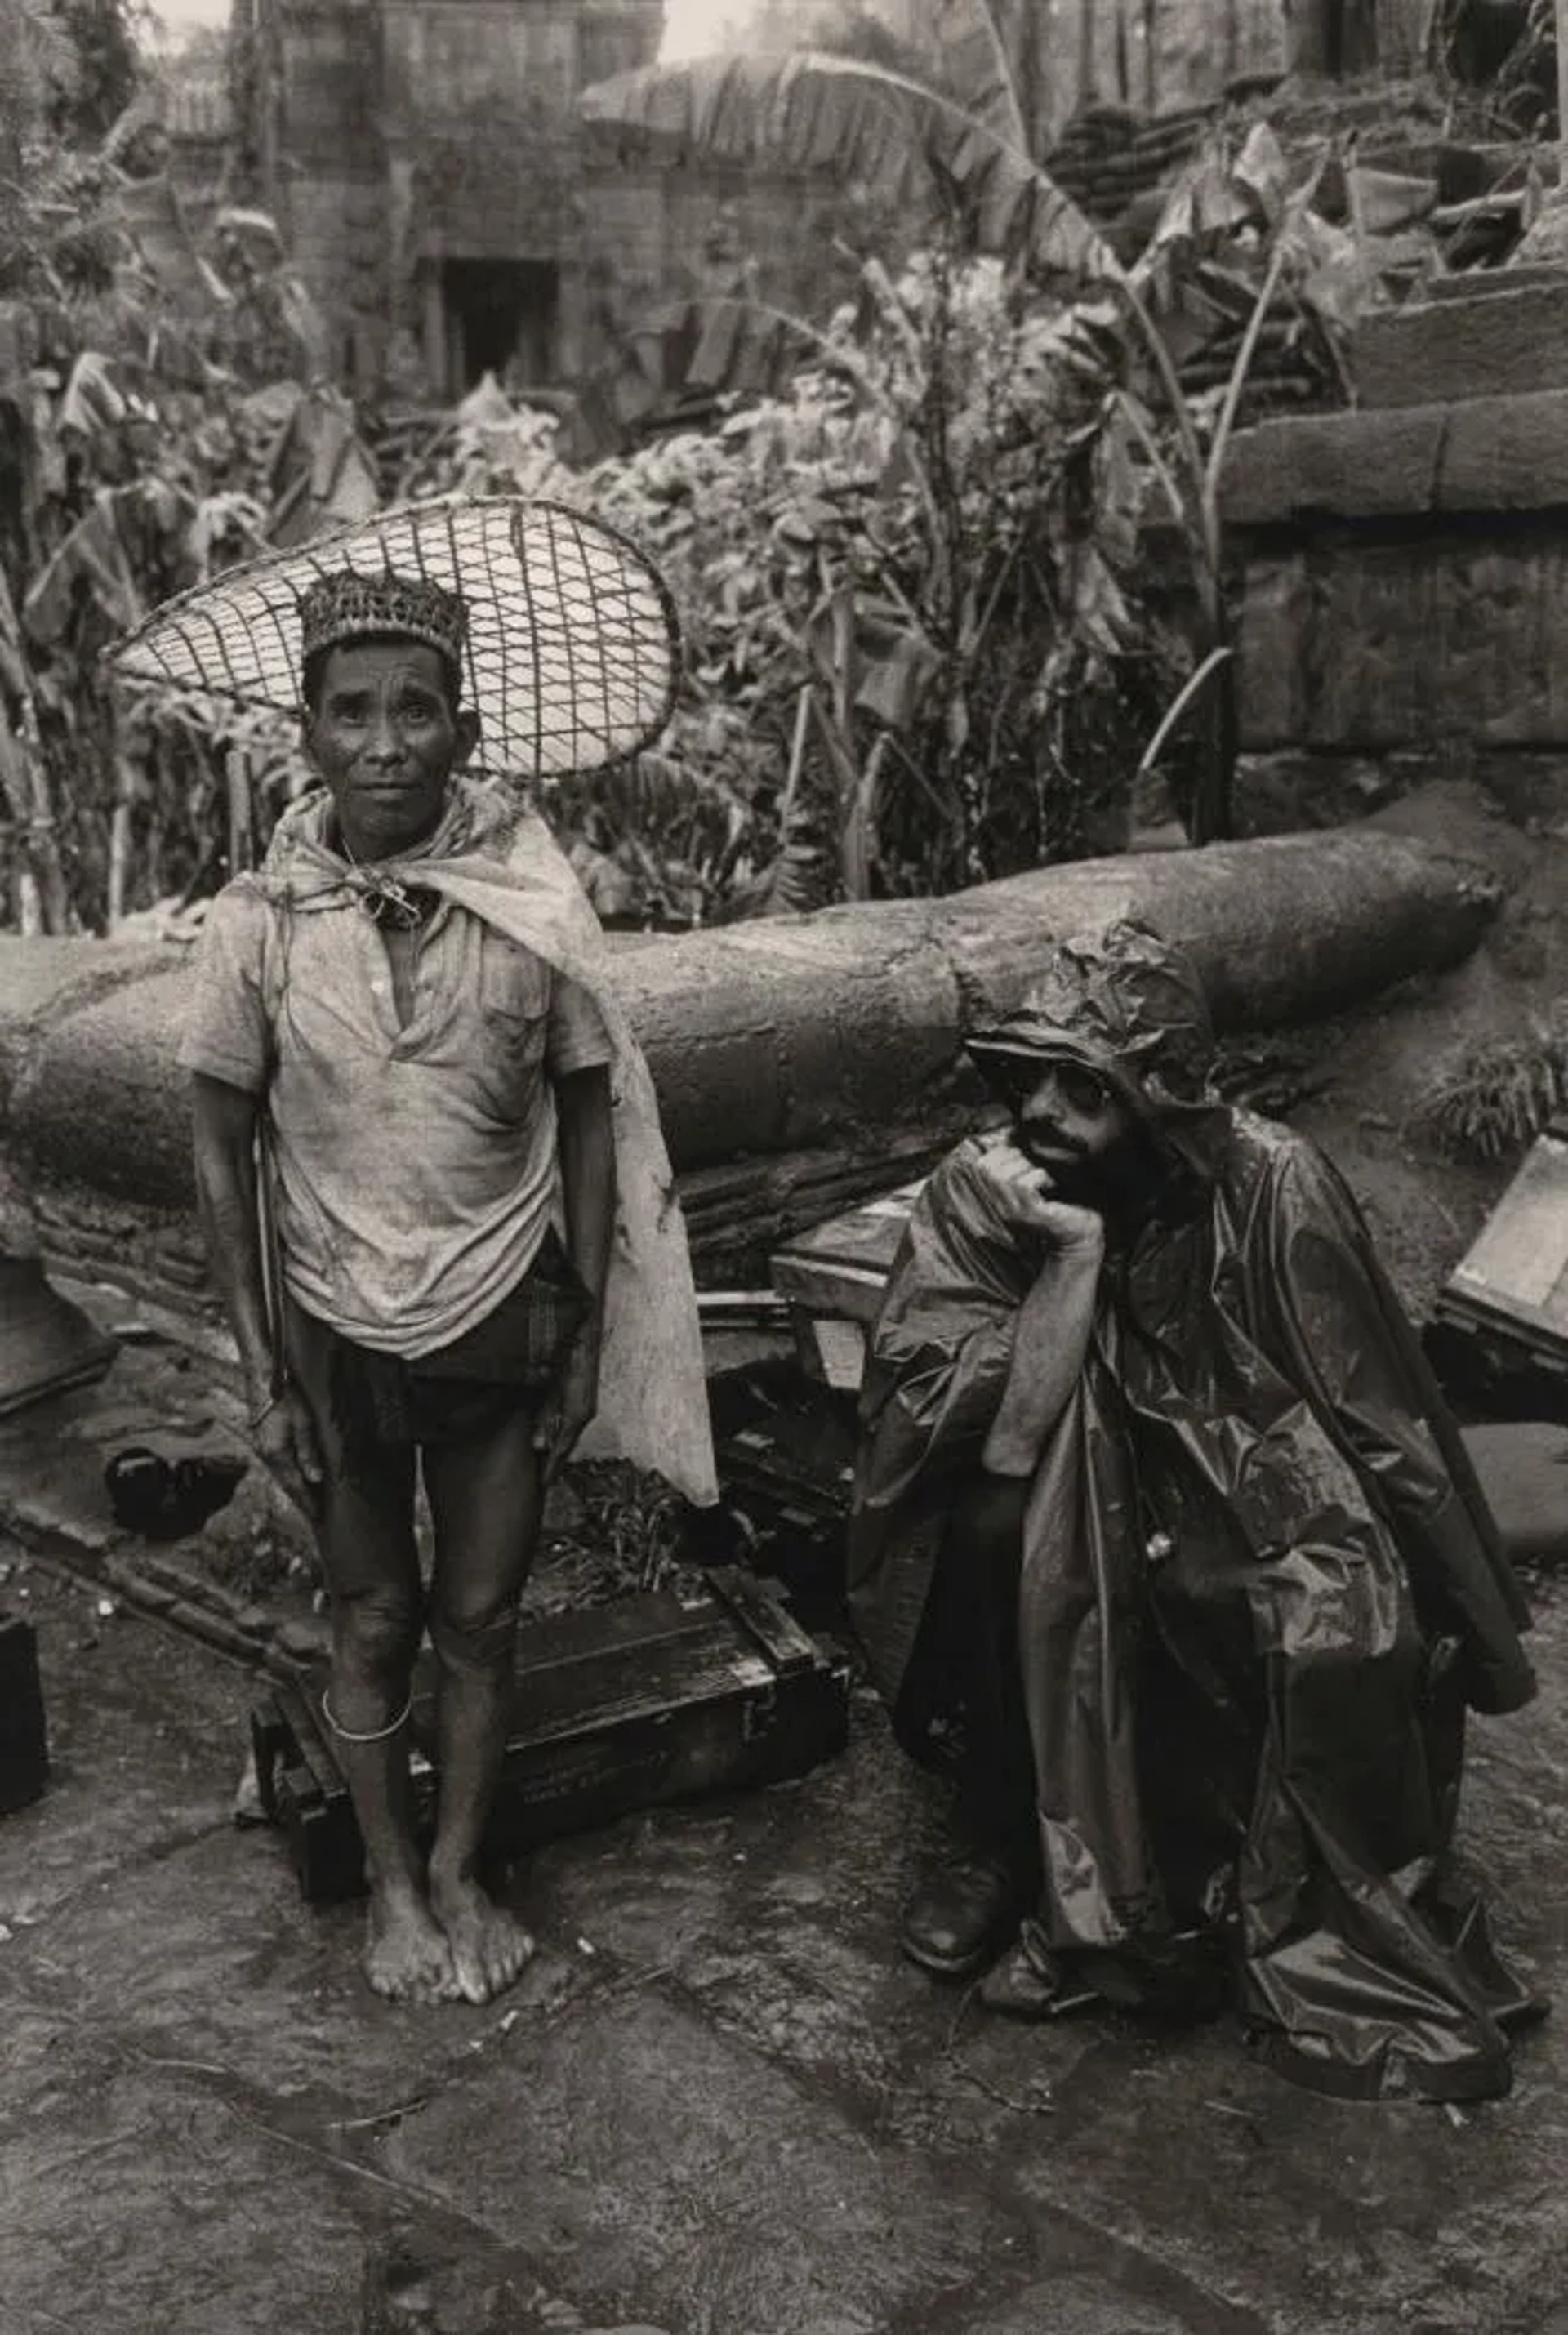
point(494, 857)
point(1260, 1582)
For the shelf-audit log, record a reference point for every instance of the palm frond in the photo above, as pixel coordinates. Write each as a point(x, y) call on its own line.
point(1490, 1102)
point(799, 878)
point(811, 110)
point(978, 43)
point(651, 793)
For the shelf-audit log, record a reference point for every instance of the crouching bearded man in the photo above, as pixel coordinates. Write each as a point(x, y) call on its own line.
point(420, 1112)
point(1165, 1540)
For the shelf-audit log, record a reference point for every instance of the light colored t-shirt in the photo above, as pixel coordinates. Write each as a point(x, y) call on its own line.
point(416, 1164)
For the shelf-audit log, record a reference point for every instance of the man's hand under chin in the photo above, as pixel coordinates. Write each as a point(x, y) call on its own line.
point(1024, 1193)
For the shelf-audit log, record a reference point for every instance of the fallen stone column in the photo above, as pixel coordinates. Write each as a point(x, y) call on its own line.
point(777, 1035)
point(795, 1033)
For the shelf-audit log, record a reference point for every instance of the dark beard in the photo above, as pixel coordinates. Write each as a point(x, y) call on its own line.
point(1122, 1184)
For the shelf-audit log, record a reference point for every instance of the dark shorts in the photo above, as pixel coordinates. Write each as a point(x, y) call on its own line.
point(383, 1404)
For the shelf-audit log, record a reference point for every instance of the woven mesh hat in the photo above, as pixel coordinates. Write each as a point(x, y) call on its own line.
point(572, 644)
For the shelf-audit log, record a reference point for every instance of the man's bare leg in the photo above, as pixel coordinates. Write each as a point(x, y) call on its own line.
point(406, 1954)
point(367, 1539)
point(486, 1500)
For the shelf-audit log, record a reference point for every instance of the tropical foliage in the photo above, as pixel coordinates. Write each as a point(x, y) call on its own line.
point(153, 426)
point(910, 593)
point(927, 639)
point(1488, 1102)
point(967, 146)
point(916, 654)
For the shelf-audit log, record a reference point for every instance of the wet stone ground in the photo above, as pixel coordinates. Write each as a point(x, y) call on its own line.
point(718, 2103)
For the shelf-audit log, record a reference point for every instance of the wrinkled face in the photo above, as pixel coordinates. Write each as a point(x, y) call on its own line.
point(1070, 1120)
point(386, 737)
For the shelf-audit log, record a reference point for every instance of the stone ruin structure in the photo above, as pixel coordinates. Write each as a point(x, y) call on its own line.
point(1401, 574)
point(427, 164)
point(423, 159)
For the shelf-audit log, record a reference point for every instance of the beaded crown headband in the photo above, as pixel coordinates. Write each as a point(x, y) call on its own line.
point(347, 605)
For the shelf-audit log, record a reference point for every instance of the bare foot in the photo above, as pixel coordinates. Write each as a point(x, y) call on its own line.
point(407, 1957)
point(490, 1947)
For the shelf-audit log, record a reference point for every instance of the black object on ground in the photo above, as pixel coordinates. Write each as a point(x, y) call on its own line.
point(49, 1344)
point(631, 1705)
point(164, 1500)
point(785, 1445)
point(23, 1743)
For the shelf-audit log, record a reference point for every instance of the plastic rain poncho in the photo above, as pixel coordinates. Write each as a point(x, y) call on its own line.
point(1259, 1584)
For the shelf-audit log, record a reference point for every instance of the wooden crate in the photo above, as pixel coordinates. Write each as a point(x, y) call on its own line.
point(833, 1277)
point(1500, 1322)
point(630, 1705)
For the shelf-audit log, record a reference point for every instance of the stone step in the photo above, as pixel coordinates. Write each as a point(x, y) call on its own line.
point(1498, 342)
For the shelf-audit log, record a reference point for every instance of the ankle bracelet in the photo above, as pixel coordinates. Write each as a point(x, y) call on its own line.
point(375, 1734)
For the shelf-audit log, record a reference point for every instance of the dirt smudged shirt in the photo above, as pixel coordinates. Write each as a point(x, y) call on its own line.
point(416, 1160)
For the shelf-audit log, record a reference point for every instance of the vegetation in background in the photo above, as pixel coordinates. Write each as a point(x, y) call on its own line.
point(151, 409)
point(1495, 1100)
point(928, 642)
point(910, 590)
point(968, 141)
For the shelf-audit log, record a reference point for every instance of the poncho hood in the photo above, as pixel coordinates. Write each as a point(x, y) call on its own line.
point(1128, 1003)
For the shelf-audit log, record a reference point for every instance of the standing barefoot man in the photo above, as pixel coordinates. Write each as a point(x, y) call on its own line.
point(405, 1006)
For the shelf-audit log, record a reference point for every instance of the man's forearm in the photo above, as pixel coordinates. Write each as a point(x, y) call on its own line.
point(587, 1141)
point(1050, 1340)
point(231, 1222)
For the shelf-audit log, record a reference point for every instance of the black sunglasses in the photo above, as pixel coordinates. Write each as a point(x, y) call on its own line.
point(1083, 1090)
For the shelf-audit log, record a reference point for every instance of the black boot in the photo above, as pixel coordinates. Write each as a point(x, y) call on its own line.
point(962, 1914)
point(1180, 1977)
point(1031, 1982)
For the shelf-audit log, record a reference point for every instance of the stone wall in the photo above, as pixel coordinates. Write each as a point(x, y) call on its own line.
point(473, 102)
point(337, 229)
point(1403, 569)
point(1161, 55)
point(471, 149)
point(406, 133)
point(1156, 56)
point(659, 232)
point(1363, 645)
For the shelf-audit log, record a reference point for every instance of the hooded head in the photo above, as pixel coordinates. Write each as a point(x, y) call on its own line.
point(1122, 1009)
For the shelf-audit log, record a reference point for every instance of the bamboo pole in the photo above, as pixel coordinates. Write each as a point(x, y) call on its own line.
point(18, 97)
point(24, 785)
point(119, 860)
point(1084, 65)
point(120, 826)
point(24, 776)
point(241, 812)
point(1402, 31)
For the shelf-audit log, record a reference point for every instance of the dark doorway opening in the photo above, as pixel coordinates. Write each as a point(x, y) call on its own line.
point(501, 319)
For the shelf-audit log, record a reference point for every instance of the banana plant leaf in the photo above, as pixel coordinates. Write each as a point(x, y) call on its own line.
point(125, 534)
point(885, 131)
